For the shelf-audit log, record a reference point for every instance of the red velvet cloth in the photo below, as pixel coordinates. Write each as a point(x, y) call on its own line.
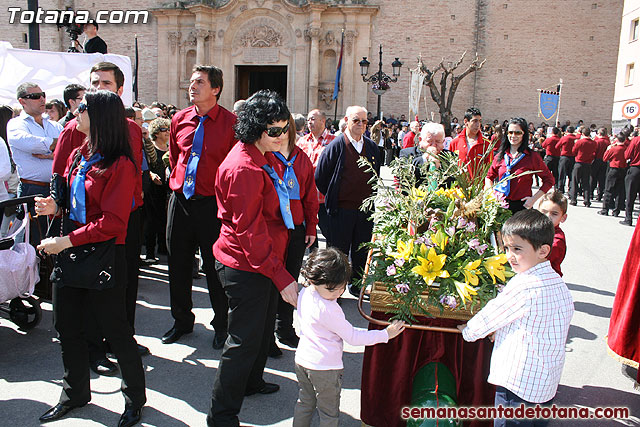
point(624, 334)
point(388, 371)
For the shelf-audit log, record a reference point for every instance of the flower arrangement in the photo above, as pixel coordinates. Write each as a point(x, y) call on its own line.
point(380, 85)
point(435, 242)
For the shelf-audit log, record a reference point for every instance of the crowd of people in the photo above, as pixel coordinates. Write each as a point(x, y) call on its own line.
point(209, 180)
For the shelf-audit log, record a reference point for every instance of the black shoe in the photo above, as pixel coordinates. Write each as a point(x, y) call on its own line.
point(626, 222)
point(104, 367)
point(615, 212)
point(174, 334)
point(219, 340)
point(587, 204)
point(572, 203)
point(274, 353)
point(289, 339)
point(267, 388)
point(604, 212)
point(130, 417)
point(57, 412)
point(142, 350)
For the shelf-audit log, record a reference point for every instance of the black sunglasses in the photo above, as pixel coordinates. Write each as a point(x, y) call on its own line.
point(276, 131)
point(163, 129)
point(82, 107)
point(35, 95)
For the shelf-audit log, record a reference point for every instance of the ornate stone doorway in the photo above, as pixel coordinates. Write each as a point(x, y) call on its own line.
point(252, 78)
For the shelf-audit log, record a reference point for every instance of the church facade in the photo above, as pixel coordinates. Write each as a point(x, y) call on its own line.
point(293, 46)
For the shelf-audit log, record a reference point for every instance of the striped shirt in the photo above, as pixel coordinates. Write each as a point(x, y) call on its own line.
point(313, 148)
point(531, 319)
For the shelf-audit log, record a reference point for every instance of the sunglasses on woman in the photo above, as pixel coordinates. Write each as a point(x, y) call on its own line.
point(35, 95)
point(82, 107)
point(276, 131)
point(515, 132)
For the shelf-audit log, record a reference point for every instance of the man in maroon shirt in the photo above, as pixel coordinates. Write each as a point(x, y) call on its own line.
point(614, 185)
point(585, 151)
point(470, 146)
point(552, 153)
point(107, 76)
point(567, 158)
point(408, 140)
point(201, 136)
point(632, 180)
point(599, 167)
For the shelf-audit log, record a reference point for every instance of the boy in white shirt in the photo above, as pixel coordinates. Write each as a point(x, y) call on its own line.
point(530, 318)
point(323, 327)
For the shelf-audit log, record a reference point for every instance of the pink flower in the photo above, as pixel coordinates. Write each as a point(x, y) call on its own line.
point(470, 227)
point(391, 270)
point(462, 222)
point(480, 249)
point(473, 243)
point(402, 288)
point(399, 262)
point(449, 301)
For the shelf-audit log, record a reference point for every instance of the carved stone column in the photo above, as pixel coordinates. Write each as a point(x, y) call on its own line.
point(314, 61)
point(202, 35)
point(169, 85)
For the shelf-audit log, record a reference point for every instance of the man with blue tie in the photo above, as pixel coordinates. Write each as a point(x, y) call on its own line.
point(200, 138)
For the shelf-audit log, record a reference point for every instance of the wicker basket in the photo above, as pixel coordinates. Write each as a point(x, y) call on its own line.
point(381, 300)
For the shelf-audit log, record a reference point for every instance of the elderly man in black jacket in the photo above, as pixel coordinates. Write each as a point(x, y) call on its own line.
point(345, 186)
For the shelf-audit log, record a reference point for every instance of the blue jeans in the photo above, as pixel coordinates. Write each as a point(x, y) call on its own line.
point(509, 399)
point(36, 229)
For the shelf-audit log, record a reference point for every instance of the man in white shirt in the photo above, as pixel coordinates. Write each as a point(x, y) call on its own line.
point(32, 139)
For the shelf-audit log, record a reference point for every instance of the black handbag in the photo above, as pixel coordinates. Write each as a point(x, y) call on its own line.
point(89, 266)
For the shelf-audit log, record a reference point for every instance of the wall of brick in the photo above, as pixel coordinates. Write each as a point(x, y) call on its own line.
point(528, 46)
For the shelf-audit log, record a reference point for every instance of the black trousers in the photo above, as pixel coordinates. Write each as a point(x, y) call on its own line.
point(107, 306)
point(191, 224)
point(565, 168)
point(581, 177)
point(155, 209)
point(632, 186)
point(516, 206)
point(295, 254)
point(349, 229)
point(252, 309)
point(323, 223)
point(598, 177)
point(95, 336)
point(614, 196)
point(552, 163)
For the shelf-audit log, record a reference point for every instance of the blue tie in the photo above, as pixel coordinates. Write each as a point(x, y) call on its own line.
point(283, 196)
point(78, 211)
point(189, 187)
point(290, 179)
point(504, 187)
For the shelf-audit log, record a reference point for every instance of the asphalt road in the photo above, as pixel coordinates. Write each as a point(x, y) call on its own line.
point(180, 376)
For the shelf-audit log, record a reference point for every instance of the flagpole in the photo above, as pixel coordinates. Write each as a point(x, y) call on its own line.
point(135, 74)
point(559, 98)
point(336, 88)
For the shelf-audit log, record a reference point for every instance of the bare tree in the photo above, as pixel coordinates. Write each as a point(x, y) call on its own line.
point(443, 95)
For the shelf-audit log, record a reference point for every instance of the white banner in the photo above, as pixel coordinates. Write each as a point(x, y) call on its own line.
point(414, 93)
point(52, 71)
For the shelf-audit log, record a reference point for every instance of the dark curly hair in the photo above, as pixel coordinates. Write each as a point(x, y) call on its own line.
point(262, 108)
point(505, 144)
point(327, 267)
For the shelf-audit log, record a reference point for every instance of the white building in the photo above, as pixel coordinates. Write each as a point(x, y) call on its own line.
point(626, 101)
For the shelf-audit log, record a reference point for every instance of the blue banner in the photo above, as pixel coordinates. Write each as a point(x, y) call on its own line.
point(548, 104)
point(336, 87)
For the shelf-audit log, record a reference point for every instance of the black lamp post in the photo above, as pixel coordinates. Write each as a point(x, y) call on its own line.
point(379, 81)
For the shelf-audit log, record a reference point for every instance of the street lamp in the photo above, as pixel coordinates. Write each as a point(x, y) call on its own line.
point(379, 81)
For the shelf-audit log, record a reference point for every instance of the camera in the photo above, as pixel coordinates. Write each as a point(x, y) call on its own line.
point(73, 30)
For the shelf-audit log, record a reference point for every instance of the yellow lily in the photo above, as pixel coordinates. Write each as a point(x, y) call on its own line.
point(495, 266)
point(404, 250)
point(469, 271)
point(465, 291)
point(418, 194)
point(431, 267)
point(440, 239)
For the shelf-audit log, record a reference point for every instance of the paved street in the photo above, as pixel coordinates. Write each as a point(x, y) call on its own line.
point(180, 376)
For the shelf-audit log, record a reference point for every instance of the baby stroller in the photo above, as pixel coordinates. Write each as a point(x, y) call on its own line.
point(19, 264)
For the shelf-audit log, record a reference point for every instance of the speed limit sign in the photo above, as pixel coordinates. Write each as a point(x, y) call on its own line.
point(631, 109)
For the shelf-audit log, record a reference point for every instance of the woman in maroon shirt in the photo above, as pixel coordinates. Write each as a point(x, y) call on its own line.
point(296, 169)
point(250, 252)
point(515, 157)
point(108, 194)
